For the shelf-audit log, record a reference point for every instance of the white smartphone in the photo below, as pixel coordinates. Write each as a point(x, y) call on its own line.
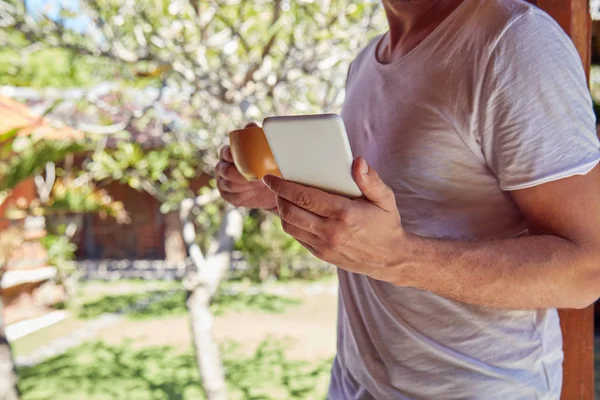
point(313, 150)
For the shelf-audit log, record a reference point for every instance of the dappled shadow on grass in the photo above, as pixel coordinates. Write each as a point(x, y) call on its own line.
point(270, 303)
point(114, 304)
point(268, 374)
point(99, 371)
point(155, 304)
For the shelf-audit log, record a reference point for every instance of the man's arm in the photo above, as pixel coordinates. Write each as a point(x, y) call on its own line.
point(559, 266)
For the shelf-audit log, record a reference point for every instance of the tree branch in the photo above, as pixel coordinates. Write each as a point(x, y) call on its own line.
point(206, 199)
point(268, 46)
point(44, 185)
point(189, 234)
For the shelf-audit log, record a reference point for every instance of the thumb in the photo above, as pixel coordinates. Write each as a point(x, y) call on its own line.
point(372, 186)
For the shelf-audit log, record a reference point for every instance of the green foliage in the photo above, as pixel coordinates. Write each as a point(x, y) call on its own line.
point(98, 371)
point(207, 221)
point(263, 302)
point(61, 253)
point(276, 57)
point(30, 157)
point(55, 67)
point(270, 252)
point(59, 249)
point(6, 141)
point(597, 111)
point(167, 172)
point(70, 196)
point(171, 173)
point(164, 304)
point(268, 374)
point(219, 65)
point(115, 304)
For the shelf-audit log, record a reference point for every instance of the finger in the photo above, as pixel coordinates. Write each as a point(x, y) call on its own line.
point(229, 172)
point(299, 217)
point(251, 125)
point(371, 185)
point(236, 199)
point(226, 155)
point(311, 199)
point(301, 235)
point(308, 247)
point(235, 187)
point(318, 252)
point(232, 198)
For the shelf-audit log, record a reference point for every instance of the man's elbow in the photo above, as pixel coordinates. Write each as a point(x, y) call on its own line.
point(587, 291)
point(584, 303)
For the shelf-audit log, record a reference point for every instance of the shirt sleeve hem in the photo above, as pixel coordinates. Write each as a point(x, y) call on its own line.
point(579, 170)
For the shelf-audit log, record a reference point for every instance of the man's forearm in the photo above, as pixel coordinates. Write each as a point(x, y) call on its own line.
point(524, 273)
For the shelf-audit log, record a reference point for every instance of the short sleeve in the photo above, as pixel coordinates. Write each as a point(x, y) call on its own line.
point(534, 116)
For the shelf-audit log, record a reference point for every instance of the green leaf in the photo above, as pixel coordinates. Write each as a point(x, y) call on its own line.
point(8, 136)
point(134, 183)
point(52, 107)
point(33, 159)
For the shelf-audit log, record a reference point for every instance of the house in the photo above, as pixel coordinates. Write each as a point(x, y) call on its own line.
point(23, 286)
point(147, 245)
point(151, 238)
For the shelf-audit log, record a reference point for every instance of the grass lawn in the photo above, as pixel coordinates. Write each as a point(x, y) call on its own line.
point(273, 347)
point(112, 297)
point(98, 371)
point(173, 303)
point(94, 290)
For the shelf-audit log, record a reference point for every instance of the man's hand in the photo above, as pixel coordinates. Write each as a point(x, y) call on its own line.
point(361, 236)
point(555, 267)
point(235, 189)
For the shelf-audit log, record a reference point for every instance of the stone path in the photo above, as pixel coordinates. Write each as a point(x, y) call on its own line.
point(89, 330)
point(62, 344)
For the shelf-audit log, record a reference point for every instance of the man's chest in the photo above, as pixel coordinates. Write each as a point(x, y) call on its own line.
point(419, 144)
point(410, 134)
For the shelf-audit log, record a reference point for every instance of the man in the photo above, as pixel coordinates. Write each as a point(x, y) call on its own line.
point(481, 205)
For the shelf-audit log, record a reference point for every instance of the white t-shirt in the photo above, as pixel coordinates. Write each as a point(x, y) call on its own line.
point(494, 100)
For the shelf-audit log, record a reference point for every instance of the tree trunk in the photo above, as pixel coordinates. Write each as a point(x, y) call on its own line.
point(202, 284)
point(175, 251)
point(70, 280)
point(207, 350)
point(73, 299)
point(8, 374)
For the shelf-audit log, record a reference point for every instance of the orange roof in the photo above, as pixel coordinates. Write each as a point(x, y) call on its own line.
point(15, 115)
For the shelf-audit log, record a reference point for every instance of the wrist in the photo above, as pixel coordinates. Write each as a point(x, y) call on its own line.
point(401, 270)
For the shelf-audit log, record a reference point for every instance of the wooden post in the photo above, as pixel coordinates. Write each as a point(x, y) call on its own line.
point(577, 325)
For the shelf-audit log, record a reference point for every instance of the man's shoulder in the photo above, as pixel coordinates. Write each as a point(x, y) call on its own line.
point(482, 21)
point(505, 29)
point(522, 32)
point(496, 19)
point(505, 9)
point(475, 30)
point(486, 21)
